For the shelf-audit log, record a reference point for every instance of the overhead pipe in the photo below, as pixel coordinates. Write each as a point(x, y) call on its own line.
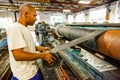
point(107, 43)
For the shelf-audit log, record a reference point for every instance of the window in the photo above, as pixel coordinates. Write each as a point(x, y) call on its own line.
point(56, 20)
point(70, 19)
point(5, 22)
point(117, 14)
point(80, 17)
point(98, 14)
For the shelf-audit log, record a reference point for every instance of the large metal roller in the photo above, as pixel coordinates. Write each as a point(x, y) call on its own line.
point(108, 43)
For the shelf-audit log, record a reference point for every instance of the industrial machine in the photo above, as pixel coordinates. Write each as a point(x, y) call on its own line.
point(81, 51)
point(5, 72)
point(93, 59)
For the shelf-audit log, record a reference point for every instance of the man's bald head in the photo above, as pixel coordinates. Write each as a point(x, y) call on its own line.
point(25, 8)
point(27, 14)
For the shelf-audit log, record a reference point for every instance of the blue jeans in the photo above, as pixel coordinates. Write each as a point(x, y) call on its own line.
point(38, 76)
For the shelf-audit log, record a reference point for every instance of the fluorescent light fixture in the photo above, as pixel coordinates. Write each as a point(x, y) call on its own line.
point(84, 2)
point(66, 10)
point(9, 9)
point(37, 8)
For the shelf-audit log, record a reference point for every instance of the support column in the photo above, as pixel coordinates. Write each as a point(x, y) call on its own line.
point(87, 15)
point(107, 16)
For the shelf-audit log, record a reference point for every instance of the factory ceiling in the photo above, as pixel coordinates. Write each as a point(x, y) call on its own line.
point(53, 5)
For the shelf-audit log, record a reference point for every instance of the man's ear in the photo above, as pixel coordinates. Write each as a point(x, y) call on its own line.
point(26, 14)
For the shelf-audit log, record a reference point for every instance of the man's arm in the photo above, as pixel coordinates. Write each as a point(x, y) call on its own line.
point(21, 55)
point(40, 48)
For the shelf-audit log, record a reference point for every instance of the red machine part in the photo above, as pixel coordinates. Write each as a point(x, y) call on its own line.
point(62, 74)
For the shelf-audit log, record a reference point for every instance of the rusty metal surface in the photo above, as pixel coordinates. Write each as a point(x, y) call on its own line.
point(109, 43)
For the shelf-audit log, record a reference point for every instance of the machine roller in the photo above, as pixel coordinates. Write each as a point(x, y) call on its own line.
point(106, 43)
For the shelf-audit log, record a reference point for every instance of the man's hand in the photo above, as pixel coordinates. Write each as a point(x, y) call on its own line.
point(46, 48)
point(48, 57)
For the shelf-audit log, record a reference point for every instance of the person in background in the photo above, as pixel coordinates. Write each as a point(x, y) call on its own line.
point(36, 29)
point(22, 50)
point(37, 33)
point(42, 32)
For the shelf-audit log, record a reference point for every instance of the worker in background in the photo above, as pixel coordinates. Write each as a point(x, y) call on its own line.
point(42, 32)
point(36, 29)
point(37, 34)
point(22, 50)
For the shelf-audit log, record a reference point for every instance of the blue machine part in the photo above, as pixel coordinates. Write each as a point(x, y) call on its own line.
point(3, 43)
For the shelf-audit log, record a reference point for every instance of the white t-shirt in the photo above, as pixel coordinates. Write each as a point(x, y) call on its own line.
point(20, 37)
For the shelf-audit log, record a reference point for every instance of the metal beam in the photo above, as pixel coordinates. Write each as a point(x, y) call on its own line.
point(41, 1)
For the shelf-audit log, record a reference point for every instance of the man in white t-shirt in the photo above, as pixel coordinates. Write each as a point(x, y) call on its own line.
point(22, 50)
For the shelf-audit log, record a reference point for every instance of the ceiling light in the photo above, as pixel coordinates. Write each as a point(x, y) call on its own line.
point(9, 9)
point(66, 10)
point(84, 2)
